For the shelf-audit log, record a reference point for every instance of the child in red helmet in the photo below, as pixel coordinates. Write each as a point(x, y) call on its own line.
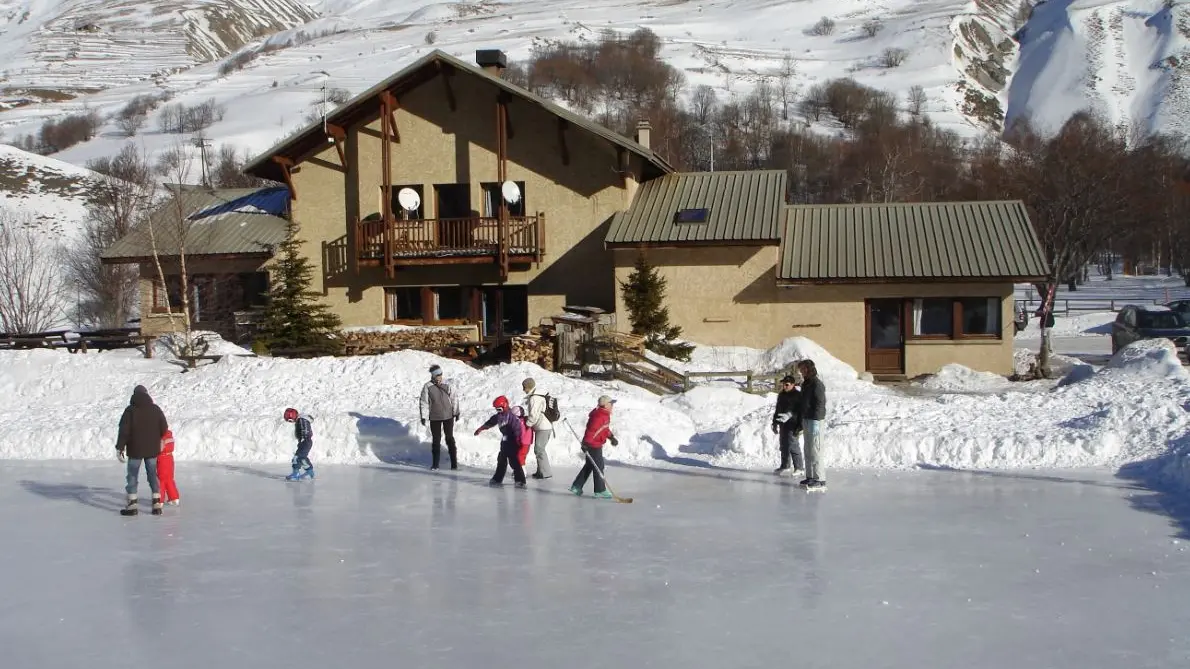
point(165, 470)
point(302, 430)
point(511, 428)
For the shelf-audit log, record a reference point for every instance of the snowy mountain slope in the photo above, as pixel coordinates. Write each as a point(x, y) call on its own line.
point(1128, 60)
point(51, 194)
point(52, 49)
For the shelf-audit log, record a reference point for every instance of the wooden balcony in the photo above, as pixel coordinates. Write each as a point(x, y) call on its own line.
point(445, 241)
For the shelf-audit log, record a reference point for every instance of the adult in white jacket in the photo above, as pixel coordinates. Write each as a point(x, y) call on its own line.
point(542, 428)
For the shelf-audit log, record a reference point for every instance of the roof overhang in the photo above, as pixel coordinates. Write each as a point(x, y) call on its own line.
point(904, 280)
point(165, 257)
point(632, 246)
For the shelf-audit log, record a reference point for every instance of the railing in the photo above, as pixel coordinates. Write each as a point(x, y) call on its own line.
point(633, 367)
point(1084, 304)
point(447, 237)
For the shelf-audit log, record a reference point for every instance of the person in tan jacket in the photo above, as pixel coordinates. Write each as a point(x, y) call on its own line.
point(543, 428)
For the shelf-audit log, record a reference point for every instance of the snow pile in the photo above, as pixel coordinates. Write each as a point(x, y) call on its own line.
point(955, 377)
point(780, 358)
point(1089, 324)
point(1148, 358)
point(164, 347)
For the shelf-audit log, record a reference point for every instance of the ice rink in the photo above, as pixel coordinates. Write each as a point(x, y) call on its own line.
point(395, 566)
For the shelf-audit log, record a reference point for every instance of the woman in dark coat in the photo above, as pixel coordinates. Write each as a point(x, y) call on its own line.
point(142, 427)
point(813, 417)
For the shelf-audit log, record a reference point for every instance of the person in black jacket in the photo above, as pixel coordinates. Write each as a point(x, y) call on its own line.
point(142, 426)
point(813, 417)
point(787, 422)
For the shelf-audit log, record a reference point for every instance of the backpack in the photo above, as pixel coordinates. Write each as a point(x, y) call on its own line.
point(551, 413)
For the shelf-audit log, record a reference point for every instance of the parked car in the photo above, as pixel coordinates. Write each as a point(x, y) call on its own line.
point(1136, 322)
point(1182, 307)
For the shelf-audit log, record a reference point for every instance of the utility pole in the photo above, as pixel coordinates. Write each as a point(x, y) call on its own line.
point(203, 144)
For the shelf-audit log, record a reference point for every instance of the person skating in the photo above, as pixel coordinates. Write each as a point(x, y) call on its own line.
point(598, 432)
point(511, 429)
point(787, 424)
point(540, 424)
point(813, 418)
point(440, 405)
point(142, 426)
point(165, 470)
point(303, 431)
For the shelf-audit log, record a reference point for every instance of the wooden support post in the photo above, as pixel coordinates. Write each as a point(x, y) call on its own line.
point(390, 101)
point(386, 202)
point(509, 130)
point(563, 125)
point(501, 176)
point(340, 136)
point(287, 165)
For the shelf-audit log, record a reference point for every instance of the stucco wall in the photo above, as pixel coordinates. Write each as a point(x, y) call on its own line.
point(438, 146)
point(728, 296)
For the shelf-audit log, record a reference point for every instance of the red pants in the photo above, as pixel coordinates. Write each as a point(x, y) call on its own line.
point(165, 474)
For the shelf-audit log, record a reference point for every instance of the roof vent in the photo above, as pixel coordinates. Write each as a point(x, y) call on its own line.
point(493, 61)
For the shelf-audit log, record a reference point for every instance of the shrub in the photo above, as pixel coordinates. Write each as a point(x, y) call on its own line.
point(893, 57)
point(237, 62)
point(825, 26)
point(431, 37)
point(64, 133)
point(872, 26)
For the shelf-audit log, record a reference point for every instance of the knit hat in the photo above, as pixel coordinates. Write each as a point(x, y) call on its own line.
point(788, 379)
point(605, 401)
point(528, 385)
point(435, 370)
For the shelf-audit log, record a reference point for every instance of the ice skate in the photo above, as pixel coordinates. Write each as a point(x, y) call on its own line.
point(521, 484)
point(157, 508)
point(576, 490)
point(602, 495)
point(129, 508)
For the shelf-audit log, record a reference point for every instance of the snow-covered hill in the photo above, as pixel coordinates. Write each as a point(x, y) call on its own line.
point(44, 192)
point(1123, 57)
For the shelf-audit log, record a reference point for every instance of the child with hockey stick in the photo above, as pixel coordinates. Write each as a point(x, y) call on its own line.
point(304, 432)
point(599, 431)
point(165, 470)
point(512, 429)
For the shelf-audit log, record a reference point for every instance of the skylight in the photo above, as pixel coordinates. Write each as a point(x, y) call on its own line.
point(692, 216)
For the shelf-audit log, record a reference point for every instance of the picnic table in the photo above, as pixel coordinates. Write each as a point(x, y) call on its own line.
point(24, 342)
point(111, 339)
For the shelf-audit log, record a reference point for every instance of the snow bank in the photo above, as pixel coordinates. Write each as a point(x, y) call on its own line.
point(1090, 324)
point(954, 377)
point(779, 358)
point(365, 409)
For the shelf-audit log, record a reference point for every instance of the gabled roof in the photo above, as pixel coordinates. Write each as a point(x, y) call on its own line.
point(227, 221)
point(300, 145)
point(741, 207)
point(915, 241)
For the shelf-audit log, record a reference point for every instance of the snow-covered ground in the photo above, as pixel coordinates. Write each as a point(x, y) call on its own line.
point(391, 565)
point(959, 51)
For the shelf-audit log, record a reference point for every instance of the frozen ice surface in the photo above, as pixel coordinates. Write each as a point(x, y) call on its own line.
point(394, 566)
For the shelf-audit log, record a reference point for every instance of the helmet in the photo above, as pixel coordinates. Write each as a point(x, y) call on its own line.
point(291, 415)
point(501, 402)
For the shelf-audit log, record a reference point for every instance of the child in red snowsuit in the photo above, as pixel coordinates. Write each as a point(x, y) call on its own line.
point(165, 470)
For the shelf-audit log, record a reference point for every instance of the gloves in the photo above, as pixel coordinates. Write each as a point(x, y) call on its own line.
point(776, 429)
point(423, 422)
point(478, 431)
point(456, 418)
point(120, 456)
point(615, 442)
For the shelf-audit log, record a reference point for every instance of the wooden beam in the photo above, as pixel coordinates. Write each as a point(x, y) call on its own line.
point(505, 98)
point(621, 168)
point(447, 73)
point(286, 164)
point(338, 134)
point(390, 105)
point(563, 124)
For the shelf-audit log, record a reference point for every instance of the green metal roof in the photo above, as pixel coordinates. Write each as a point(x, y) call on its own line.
point(311, 138)
point(226, 221)
point(741, 207)
point(943, 240)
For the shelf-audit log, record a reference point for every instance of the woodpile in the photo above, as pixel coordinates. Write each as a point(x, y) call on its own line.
point(536, 349)
point(421, 339)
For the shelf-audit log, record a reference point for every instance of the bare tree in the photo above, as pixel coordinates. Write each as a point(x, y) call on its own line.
point(785, 82)
point(916, 102)
point(825, 26)
point(228, 171)
point(872, 26)
point(121, 197)
point(893, 57)
point(30, 281)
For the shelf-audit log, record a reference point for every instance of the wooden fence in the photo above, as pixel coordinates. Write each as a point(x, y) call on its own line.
point(634, 367)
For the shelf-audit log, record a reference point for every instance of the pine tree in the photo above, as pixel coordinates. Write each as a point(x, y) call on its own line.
point(294, 318)
point(644, 297)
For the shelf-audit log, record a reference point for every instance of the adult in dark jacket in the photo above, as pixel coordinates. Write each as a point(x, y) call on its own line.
point(787, 423)
point(142, 427)
point(813, 418)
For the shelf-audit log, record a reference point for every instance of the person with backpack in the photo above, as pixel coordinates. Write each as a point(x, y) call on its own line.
point(440, 405)
point(599, 431)
point(512, 433)
point(142, 426)
point(540, 413)
point(787, 424)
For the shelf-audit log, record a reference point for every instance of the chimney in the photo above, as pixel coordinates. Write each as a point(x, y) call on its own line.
point(643, 130)
point(493, 61)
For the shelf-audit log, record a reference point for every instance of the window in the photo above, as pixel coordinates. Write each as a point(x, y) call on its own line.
point(933, 317)
point(256, 289)
point(692, 216)
point(402, 304)
point(454, 200)
point(956, 317)
point(492, 196)
point(1159, 320)
point(981, 316)
point(401, 212)
point(452, 303)
point(173, 288)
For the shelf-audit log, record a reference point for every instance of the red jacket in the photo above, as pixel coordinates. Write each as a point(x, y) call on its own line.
point(167, 443)
point(599, 427)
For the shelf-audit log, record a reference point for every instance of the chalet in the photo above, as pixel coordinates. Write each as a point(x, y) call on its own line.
point(227, 236)
point(447, 195)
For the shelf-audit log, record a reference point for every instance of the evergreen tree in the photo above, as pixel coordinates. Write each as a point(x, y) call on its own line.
point(294, 318)
point(644, 296)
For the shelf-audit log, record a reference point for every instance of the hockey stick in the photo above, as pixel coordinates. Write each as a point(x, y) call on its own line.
point(606, 484)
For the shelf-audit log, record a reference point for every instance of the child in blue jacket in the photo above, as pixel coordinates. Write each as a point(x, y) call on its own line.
point(304, 432)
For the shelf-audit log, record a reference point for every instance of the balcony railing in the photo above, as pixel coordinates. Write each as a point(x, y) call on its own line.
point(476, 239)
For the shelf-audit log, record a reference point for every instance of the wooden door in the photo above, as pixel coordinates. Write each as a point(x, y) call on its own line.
point(885, 336)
